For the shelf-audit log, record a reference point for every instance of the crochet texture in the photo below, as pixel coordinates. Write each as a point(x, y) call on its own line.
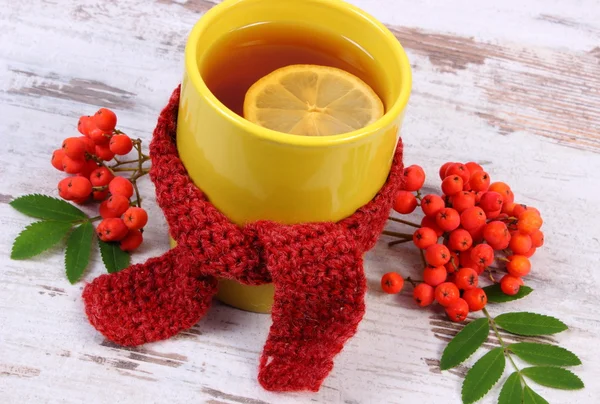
point(316, 268)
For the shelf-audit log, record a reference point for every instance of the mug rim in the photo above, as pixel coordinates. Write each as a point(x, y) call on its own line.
point(193, 72)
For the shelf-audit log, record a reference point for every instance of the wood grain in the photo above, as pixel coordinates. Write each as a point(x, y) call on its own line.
point(511, 85)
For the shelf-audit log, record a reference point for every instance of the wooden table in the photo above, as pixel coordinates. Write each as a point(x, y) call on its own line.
point(514, 85)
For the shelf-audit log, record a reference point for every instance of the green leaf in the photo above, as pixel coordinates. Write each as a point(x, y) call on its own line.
point(531, 397)
point(531, 324)
point(484, 374)
point(544, 354)
point(465, 343)
point(496, 295)
point(512, 391)
point(46, 207)
point(557, 378)
point(113, 257)
point(37, 238)
point(77, 255)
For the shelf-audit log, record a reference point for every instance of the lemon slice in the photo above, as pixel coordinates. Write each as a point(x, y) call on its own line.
point(312, 100)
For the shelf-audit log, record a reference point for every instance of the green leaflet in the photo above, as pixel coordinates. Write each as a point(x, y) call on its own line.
point(496, 295)
point(77, 255)
point(113, 257)
point(512, 391)
point(484, 374)
point(37, 238)
point(554, 377)
point(532, 324)
point(465, 343)
point(46, 207)
point(544, 354)
point(531, 397)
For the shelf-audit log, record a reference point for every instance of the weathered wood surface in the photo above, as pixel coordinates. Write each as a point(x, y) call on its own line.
point(514, 85)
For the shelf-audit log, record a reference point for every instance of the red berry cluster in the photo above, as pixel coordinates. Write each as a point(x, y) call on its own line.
point(464, 231)
point(87, 158)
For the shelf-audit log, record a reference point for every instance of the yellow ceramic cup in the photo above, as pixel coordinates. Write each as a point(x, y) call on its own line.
point(252, 173)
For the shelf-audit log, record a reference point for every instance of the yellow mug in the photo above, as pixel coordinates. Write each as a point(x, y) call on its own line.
point(251, 173)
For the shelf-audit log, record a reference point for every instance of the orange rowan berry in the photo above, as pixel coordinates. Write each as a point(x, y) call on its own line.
point(414, 177)
point(437, 255)
point(475, 298)
point(424, 237)
point(460, 240)
point(459, 169)
point(518, 265)
point(74, 147)
point(135, 218)
point(132, 240)
point(530, 253)
point(508, 208)
point(510, 198)
point(477, 234)
point(529, 221)
point(510, 285)
point(491, 202)
point(431, 204)
point(502, 188)
point(520, 208)
point(434, 275)
point(99, 137)
point(423, 294)
point(497, 235)
point(493, 215)
point(465, 261)
point(463, 201)
point(121, 186)
point(466, 186)
point(452, 184)
point(101, 177)
point(118, 204)
point(537, 238)
point(103, 152)
point(405, 202)
point(447, 219)
point(446, 293)
point(79, 187)
point(482, 255)
point(100, 195)
point(466, 278)
point(88, 168)
point(57, 159)
point(473, 167)
point(430, 222)
point(105, 119)
point(392, 283)
point(443, 169)
point(480, 181)
point(111, 229)
point(120, 144)
point(90, 146)
point(520, 243)
point(473, 218)
point(85, 125)
point(105, 212)
point(72, 166)
point(64, 189)
point(458, 310)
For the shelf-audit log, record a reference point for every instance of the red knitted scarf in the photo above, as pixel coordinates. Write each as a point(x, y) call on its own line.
point(317, 270)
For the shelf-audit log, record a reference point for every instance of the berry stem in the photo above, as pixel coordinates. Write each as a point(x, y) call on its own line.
point(396, 234)
point(413, 282)
point(419, 196)
point(423, 258)
point(392, 243)
point(395, 219)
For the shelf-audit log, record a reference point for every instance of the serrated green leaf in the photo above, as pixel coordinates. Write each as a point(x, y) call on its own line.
point(557, 378)
point(47, 207)
point(465, 343)
point(113, 257)
point(77, 255)
point(531, 397)
point(484, 374)
point(496, 295)
point(37, 238)
point(512, 391)
point(544, 354)
point(531, 324)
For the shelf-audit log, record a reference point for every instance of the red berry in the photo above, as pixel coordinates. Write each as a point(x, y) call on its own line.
point(105, 212)
point(118, 204)
point(493, 215)
point(57, 159)
point(111, 229)
point(497, 235)
point(529, 253)
point(518, 266)
point(473, 167)
point(430, 222)
point(529, 221)
point(72, 166)
point(423, 294)
point(482, 255)
point(100, 195)
point(460, 240)
point(79, 187)
point(437, 255)
point(120, 144)
point(537, 238)
point(458, 310)
point(431, 204)
point(121, 186)
point(434, 275)
point(424, 237)
point(405, 202)
point(85, 125)
point(520, 243)
point(443, 169)
point(475, 298)
point(88, 168)
point(103, 152)
point(459, 169)
point(463, 201)
point(135, 218)
point(447, 219)
point(480, 181)
point(105, 119)
point(446, 293)
point(90, 146)
point(510, 285)
point(74, 147)
point(508, 208)
point(510, 198)
point(466, 261)
point(392, 283)
point(132, 240)
point(473, 218)
point(101, 177)
point(466, 278)
point(452, 184)
point(491, 202)
point(99, 137)
point(64, 189)
point(414, 178)
point(477, 234)
point(520, 208)
point(502, 188)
